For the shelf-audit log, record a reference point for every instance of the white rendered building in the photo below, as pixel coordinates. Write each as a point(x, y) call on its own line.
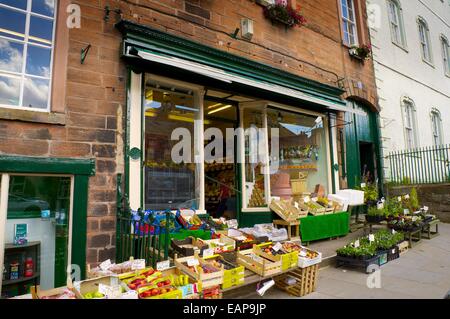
point(410, 40)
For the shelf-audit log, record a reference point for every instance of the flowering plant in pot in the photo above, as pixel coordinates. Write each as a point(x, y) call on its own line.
point(283, 13)
point(362, 52)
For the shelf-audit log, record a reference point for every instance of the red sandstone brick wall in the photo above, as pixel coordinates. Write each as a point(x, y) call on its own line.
point(95, 96)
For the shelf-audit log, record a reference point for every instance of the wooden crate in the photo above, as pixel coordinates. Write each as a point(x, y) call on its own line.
point(220, 245)
point(260, 265)
point(206, 280)
point(233, 276)
point(288, 260)
point(403, 247)
point(306, 281)
point(287, 210)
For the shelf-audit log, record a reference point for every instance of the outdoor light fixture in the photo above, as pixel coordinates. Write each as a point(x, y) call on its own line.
point(247, 28)
point(219, 109)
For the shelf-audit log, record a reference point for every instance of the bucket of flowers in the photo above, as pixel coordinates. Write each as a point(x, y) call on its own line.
point(362, 52)
point(283, 13)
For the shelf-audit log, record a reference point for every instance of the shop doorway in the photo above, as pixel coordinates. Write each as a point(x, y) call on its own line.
point(367, 162)
point(220, 158)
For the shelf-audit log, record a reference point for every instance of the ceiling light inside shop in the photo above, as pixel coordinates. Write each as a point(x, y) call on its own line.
point(214, 105)
point(181, 107)
point(219, 109)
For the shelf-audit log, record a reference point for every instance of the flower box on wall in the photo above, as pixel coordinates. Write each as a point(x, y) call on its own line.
point(282, 13)
point(265, 3)
point(363, 52)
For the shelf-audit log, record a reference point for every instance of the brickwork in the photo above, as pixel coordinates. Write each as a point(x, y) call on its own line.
point(96, 90)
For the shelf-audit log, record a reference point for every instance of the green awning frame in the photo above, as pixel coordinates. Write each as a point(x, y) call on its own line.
point(140, 38)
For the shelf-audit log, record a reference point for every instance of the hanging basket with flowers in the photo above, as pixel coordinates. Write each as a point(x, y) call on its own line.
point(285, 14)
point(363, 52)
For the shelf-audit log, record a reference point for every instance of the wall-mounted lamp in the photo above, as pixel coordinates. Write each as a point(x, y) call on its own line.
point(247, 28)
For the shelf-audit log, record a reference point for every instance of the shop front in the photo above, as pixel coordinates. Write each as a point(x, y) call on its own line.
point(42, 226)
point(217, 133)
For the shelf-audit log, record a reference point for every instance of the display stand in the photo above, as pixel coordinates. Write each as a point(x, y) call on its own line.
point(426, 230)
point(293, 228)
point(356, 210)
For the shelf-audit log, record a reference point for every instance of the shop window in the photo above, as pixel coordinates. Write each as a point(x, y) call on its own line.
point(301, 168)
point(36, 239)
point(349, 26)
point(171, 175)
point(27, 31)
point(255, 170)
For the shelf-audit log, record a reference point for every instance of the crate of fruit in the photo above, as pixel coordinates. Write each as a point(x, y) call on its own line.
point(243, 240)
point(308, 257)
point(203, 272)
point(186, 284)
point(260, 265)
point(213, 292)
point(188, 246)
point(315, 209)
point(233, 274)
point(276, 253)
point(152, 291)
point(220, 245)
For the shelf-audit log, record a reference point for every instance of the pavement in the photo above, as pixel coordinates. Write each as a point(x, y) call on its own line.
point(422, 272)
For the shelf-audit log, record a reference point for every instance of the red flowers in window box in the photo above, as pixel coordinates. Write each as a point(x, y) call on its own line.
point(285, 14)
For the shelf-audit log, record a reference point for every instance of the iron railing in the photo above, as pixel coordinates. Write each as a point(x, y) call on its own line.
point(137, 237)
point(426, 165)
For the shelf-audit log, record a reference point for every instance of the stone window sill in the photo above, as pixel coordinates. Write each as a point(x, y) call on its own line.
point(33, 116)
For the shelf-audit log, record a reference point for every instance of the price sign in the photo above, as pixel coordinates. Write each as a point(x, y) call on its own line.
point(104, 289)
point(296, 205)
point(208, 252)
point(307, 199)
point(407, 196)
point(138, 264)
point(371, 238)
point(105, 265)
point(192, 262)
point(425, 208)
point(380, 205)
point(363, 185)
point(406, 211)
point(399, 198)
point(357, 244)
point(277, 246)
point(132, 294)
point(163, 265)
point(393, 231)
point(302, 253)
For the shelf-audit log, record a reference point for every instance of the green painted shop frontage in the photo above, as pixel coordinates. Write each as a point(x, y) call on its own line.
point(176, 81)
point(44, 227)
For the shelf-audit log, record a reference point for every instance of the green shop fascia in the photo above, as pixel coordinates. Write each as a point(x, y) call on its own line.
point(177, 83)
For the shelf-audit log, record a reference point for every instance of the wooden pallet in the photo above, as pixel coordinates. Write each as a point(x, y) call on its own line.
point(306, 281)
point(293, 228)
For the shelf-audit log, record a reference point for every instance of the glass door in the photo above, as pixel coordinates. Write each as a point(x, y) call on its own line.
point(36, 240)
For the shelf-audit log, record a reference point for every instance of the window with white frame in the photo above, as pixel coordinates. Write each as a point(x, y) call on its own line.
point(349, 22)
point(424, 36)
point(27, 29)
point(446, 54)
point(409, 123)
point(436, 127)
point(396, 23)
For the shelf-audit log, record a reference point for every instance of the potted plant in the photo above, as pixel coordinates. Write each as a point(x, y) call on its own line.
point(370, 194)
point(283, 13)
point(375, 215)
point(362, 52)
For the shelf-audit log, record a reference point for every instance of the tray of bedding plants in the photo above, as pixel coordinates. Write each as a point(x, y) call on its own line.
point(366, 254)
point(406, 223)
